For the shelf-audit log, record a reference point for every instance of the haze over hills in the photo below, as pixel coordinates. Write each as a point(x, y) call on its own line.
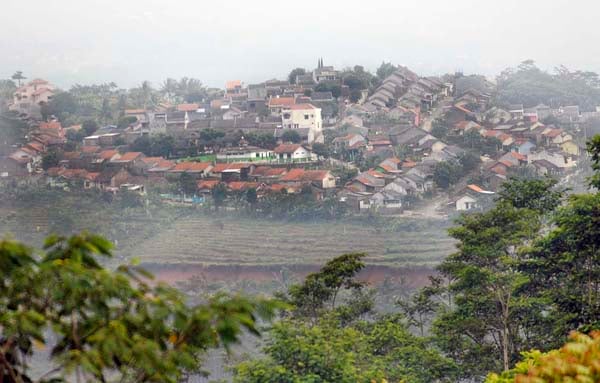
point(132, 41)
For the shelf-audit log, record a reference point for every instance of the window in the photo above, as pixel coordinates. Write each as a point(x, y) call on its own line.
point(296, 126)
point(306, 116)
point(286, 116)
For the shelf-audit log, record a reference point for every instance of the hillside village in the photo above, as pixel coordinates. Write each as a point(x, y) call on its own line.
point(390, 145)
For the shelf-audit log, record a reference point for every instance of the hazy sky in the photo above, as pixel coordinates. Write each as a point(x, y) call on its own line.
point(128, 41)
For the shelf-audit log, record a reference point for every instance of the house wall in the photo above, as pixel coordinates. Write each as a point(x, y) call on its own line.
point(329, 181)
point(466, 203)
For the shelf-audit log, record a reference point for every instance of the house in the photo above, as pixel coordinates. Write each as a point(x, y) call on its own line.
point(293, 153)
point(242, 186)
point(29, 98)
point(516, 111)
point(523, 146)
point(267, 174)
point(391, 165)
point(545, 167)
point(570, 147)
point(304, 116)
point(351, 142)
point(276, 104)
point(473, 197)
point(233, 113)
point(238, 171)
point(160, 168)
point(365, 182)
point(234, 87)
point(131, 161)
point(322, 179)
point(111, 178)
point(244, 153)
point(387, 201)
point(195, 169)
point(417, 182)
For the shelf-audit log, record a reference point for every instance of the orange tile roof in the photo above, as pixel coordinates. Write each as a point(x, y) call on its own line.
point(90, 149)
point(302, 107)
point(241, 185)
point(296, 175)
point(519, 156)
point(129, 156)
point(50, 125)
point(107, 154)
point(207, 184)
point(187, 107)
point(475, 188)
point(267, 171)
point(281, 101)
point(219, 168)
point(189, 166)
point(152, 160)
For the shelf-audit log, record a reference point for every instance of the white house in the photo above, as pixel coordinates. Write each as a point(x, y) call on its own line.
point(304, 116)
point(472, 198)
point(245, 153)
point(293, 152)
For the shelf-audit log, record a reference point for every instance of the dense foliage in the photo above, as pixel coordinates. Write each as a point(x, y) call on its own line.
point(100, 325)
point(576, 361)
point(529, 85)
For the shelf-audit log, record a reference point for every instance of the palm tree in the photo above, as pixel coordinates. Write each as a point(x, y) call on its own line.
point(18, 76)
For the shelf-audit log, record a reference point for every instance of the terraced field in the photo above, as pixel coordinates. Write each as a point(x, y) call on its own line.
point(201, 240)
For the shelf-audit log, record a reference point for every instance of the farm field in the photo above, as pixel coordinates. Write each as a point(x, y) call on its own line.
point(202, 240)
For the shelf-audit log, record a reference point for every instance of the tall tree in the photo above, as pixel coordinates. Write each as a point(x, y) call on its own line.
point(18, 76)
point(492, 310)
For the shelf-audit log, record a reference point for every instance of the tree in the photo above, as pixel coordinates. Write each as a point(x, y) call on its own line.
point(295, 73)
point(469, 161)
point(251, 196)
point(18, 76)
point(50, 159)
point(576, 361)
point(385, 70)
point(291, 136)
point(446, 174)
point(333, 87)
point(320, 290)
point(105, 324)
point(125, 121)
point(330, 348)
point(320, 149)
point(187, 184)
point(539, 195)
point(89, 127)
point(492, 310)
point(355, 95)
point(219, 194)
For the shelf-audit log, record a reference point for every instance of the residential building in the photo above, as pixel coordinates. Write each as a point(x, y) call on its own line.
point(293, 153)
point(304, 116)
point(29, 98)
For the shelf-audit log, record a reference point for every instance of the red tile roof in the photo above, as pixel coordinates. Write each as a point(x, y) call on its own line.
point(552, 133)
point(519, 156)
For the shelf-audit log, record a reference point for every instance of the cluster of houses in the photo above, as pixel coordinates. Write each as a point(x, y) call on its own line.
point(396, 116)
point(108, 170)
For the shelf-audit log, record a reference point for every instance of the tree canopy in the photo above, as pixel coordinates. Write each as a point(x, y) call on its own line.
point(105, 325)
